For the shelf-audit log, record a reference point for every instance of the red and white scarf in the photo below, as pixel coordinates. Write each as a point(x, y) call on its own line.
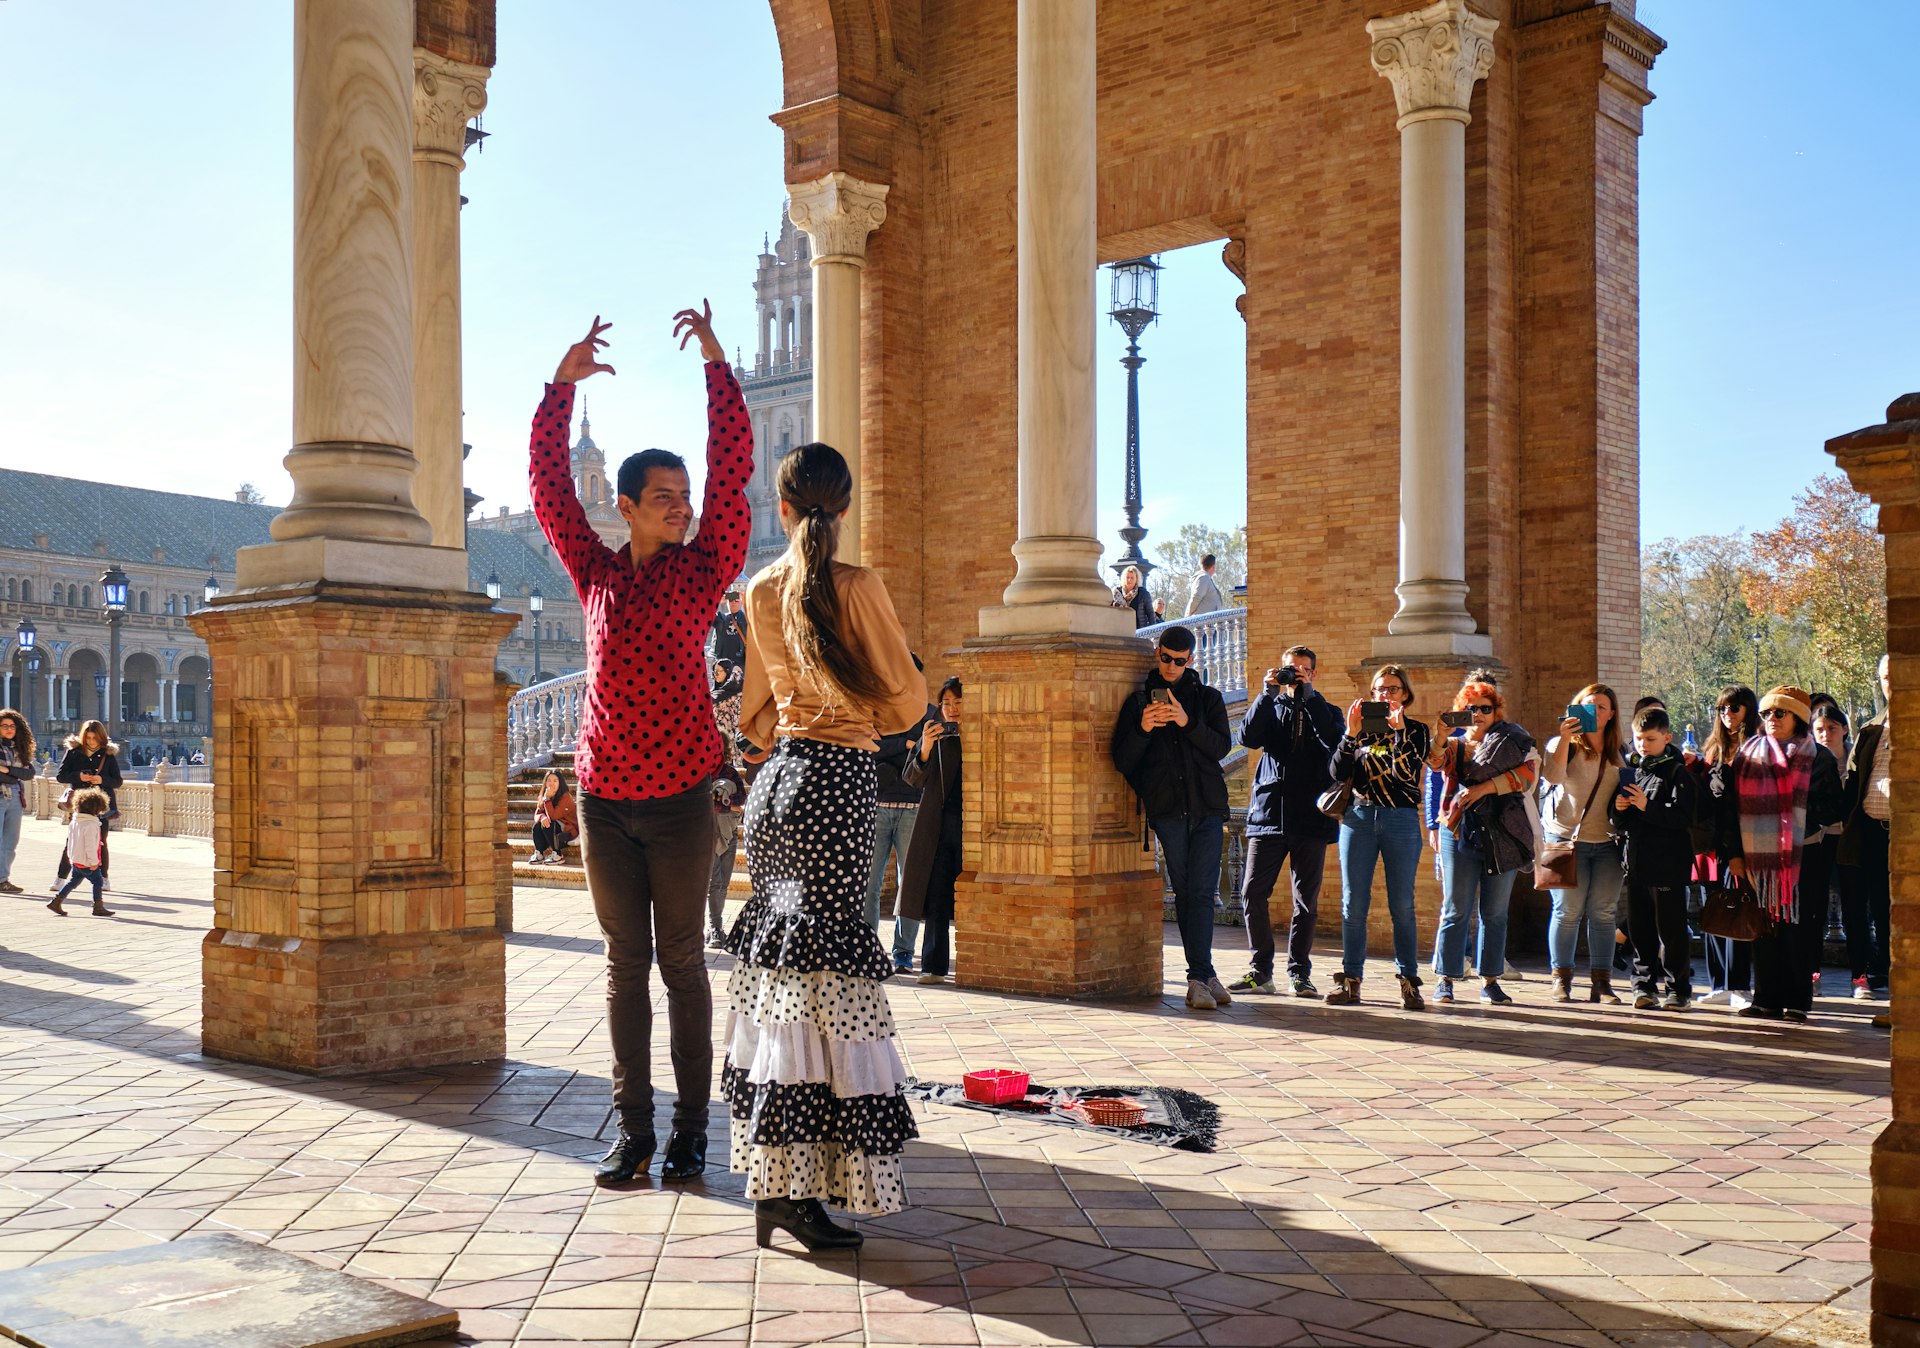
point(1772, 779)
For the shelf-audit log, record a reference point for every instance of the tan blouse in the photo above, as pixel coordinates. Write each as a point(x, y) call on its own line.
point(779, 701)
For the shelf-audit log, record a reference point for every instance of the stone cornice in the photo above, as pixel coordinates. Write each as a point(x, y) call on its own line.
point(447, 94)
point(1433, 57)
point(1884, 461)
point(838, 212)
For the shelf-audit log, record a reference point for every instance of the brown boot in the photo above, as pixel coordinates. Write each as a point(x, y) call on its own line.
point(1346, 991)
point(1410, 998)
point(1601, 988)
point(1563, 985)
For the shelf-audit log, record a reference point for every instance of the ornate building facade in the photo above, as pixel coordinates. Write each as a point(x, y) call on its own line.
point(779, 386)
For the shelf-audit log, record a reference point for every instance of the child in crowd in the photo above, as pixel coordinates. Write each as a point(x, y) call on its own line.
point(84, 848)
point(1654, 811)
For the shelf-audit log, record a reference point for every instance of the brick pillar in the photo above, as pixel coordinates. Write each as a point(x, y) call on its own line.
point(1057, 895)
point(356, 816)
point(503, 690)
point(1884, 462)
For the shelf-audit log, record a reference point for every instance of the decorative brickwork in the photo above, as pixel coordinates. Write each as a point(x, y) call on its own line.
point(1058, 895)
point(356, 878)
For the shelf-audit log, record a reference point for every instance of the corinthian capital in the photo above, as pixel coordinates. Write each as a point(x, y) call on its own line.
point(1434, 56)
point(838, 212)
point(447, 94)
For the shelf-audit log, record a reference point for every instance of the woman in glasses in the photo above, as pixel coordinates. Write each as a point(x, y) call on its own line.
point(1477, 818)
point(1784, 787)
point(1736, 719)
point(1583, 767)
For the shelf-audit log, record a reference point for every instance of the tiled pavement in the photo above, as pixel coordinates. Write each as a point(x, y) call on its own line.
point(1465, 1176)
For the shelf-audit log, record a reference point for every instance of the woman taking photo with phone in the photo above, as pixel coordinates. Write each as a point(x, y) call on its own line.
point(1736, 719)
point(1783, 787)
point(933, 852)
point(1481, 833)
point(1582, 765)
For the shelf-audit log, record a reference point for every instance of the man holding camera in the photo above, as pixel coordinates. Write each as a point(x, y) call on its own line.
point(1168, 742)
point(1296, 731)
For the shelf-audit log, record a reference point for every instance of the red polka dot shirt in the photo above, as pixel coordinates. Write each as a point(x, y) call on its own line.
point(648, 729)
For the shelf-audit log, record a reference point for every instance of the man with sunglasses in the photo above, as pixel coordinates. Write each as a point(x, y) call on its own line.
point(1168, 742)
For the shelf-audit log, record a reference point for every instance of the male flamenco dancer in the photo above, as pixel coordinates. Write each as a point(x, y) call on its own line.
point(648, 742)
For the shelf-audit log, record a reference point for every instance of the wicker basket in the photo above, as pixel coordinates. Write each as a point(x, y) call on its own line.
point(1108, 1112)
point(996, 1086)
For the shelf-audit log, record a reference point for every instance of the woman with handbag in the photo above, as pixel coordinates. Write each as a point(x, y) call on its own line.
point(1381, 774)
point(1783, 787)
point(1736, 719)
point(1482, 834)
point(1580, 861)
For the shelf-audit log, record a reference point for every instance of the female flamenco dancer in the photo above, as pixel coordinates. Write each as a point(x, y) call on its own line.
point(812, 1074)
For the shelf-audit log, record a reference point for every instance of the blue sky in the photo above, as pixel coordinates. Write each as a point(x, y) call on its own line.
point(145, 250)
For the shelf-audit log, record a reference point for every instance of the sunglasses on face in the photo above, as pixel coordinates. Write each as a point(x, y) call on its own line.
point(1480, 709)
point(1774, 713)
point(1177, 661)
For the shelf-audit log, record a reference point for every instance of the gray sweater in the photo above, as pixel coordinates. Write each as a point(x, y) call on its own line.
point(1571, 782)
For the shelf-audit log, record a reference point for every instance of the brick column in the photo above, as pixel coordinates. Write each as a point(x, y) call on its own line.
point(1884, 462)
point(838, 212)
point(1057, 895)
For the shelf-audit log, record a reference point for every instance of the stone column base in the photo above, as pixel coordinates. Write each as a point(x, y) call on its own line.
point(362, 1004)
point(1058, 897)
point(356, 813)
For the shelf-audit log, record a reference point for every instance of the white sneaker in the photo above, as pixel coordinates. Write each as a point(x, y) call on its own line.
point(1218, 990)
point(1739, 1001)
point(1718, 997)
point(1199, 998)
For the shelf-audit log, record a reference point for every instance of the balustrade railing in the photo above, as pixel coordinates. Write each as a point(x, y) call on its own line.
point(160, 809)
point(1219, 648)
point(544, 720)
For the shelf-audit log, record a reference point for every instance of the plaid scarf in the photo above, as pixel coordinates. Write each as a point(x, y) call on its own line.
point(1772, 782)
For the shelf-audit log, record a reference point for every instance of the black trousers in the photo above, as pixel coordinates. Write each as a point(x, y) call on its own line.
point(936, 910)
point(1265, 855)
point(647, 865)
point(1657, 929)
point(550, 838)
point(1783, 962)
point(1866, 905)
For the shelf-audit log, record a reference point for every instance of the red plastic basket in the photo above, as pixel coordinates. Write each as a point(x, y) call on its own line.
point(996, 1086)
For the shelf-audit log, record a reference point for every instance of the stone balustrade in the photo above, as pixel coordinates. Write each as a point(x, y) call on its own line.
point(1219, 648)
point(158, 809)
point(543, 720)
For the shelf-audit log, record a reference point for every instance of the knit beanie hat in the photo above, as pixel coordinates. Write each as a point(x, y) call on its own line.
point(1788, 698)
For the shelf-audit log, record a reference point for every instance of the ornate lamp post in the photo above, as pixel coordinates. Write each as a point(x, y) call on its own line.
point(1759, 635)
point(536, 602)
point(212, 587)
point(1136, 305)
point(493, 586)
point(113, 598)
point(26, 634)
point(100, 692)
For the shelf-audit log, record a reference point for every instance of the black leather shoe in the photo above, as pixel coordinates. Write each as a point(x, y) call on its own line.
point(686, 1155)
point(629, 1157)
point(803, 1219)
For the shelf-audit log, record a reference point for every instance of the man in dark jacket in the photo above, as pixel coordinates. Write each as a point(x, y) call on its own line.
point(1296, 731)
point(1169, 739)
point(895, 813)
point(1867, 830)
point(1655, 810)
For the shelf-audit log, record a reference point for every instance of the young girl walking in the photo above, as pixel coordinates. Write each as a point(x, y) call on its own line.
point(813, 1076)
point(86, 848)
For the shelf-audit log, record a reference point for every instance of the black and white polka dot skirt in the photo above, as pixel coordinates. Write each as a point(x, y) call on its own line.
point(813, 1075)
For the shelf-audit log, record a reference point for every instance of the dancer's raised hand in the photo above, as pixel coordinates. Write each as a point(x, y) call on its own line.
point(579, 362)
point(691, 323)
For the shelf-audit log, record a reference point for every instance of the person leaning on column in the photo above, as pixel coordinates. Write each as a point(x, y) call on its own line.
point(648, 744)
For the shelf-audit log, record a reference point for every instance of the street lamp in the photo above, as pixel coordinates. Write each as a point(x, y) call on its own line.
point(1136, 305)
point(100, 691)
point(535, 602)
point(493, 586)
point(1759, 635)
point(113, 598)
point(212, 587)
point(25, 634)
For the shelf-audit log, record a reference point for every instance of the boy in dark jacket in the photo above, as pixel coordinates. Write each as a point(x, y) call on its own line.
point(1655, 813)
point(1168, 742)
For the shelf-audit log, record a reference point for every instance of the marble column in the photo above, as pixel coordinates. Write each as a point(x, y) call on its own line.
point(1055, 588)
point(1433, 57)
point(838, 212)
point(447, 94)
point(352, 517)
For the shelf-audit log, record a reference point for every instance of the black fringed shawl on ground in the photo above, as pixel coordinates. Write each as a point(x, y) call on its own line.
point(1175, 1118)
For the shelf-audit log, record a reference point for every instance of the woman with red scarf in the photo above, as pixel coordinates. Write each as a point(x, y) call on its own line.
point(1783, 787)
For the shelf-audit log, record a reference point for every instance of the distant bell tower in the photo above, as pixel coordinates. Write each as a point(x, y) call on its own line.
point(590, 468)
point(779, 385)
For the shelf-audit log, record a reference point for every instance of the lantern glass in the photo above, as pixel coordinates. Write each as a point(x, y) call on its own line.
point(113, 590)
point(100, 685)
point(1136, 290)
point(27, 633)
point(213, 586)
point(536, 601)
point(493, 585)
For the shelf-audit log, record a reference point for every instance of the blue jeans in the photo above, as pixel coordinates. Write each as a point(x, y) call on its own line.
point(1388, 834)
point(892, 831)
point(1594, 901)
point(11, 812)
point(1465, 886)
point(1192, 852)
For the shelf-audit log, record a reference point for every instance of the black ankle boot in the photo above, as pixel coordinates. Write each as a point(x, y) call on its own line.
point(629, 1157)
point(686, 1155)
point(803, 1219)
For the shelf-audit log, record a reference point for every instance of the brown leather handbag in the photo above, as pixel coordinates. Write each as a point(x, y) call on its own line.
point(1734, 911)
point(1558, 866)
